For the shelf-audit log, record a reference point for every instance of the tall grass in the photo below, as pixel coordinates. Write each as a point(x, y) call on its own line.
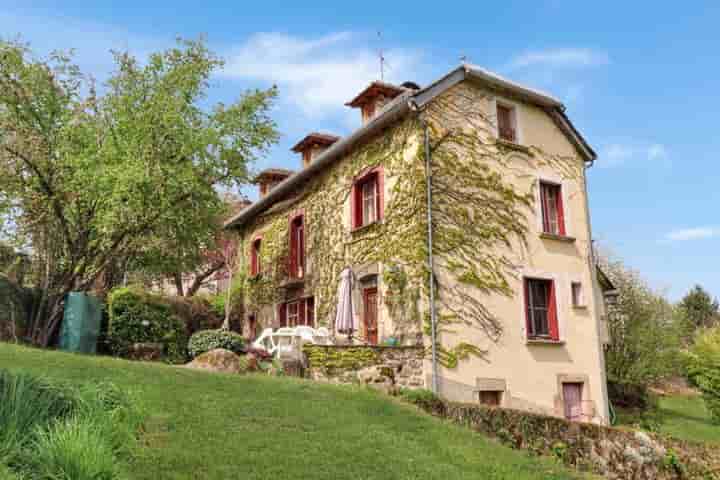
point(73, 449)
point(27, 402)
point(55, 431)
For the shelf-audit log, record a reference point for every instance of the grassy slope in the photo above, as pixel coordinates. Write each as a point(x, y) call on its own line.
point(681, 416)
point(213, 426)
point(686, 417)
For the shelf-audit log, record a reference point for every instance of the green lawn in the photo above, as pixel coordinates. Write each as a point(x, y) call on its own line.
point(680, 416)
point(214, 426)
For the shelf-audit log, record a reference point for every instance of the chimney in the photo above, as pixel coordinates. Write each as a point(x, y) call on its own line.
point(313, 145)
point(268, 179)
point(371, 100)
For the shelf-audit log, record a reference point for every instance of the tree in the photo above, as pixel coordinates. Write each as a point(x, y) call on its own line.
point(644, 330)
point(703, 360)
point(97, 177)
point(700, 310)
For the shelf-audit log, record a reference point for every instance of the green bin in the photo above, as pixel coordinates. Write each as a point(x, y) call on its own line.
point(81, 323)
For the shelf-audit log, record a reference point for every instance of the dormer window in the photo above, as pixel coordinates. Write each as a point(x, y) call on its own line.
point(367, 198)
point(313, 145)
point(375, 96)
point(270, 178)
point(507, 122)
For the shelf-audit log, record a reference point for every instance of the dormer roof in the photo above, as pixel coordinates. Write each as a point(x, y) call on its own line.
point(373, 90)
point(315, 138)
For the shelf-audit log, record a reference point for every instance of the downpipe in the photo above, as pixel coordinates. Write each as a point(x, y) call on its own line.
point(431, 271)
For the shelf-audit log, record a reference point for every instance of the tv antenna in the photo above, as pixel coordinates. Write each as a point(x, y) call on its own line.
point(381, 57)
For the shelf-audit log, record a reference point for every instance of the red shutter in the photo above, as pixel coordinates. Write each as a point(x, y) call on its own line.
point(301, 248)
point(310, 302)
point(526, 294)
point(356, 206)
point(301, 313)
point(292, 261)
point(282, 313)
point(254, 258)
point(560, 212)
point(380, 193)
point(552, 313)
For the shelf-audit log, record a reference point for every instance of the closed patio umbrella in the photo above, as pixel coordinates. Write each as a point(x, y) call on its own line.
point(345, 314)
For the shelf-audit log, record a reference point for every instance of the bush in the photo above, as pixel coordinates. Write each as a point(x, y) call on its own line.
point(703, 367)
point(424, 399)
point(140, 317)
point(197, 313)
point(207, 340)
point(628, 395)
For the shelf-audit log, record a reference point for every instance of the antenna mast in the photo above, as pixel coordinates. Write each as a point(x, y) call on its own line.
point(381, 57)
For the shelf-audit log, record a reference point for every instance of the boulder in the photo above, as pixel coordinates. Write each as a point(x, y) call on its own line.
point(218, 360)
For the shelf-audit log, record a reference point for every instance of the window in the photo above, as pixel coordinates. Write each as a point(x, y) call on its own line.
point(490, 398)
point(255, 257)
point(541, 309)
point(367, 199)
point(506, 123)
point(578, 299)
point(298, 312)
point(297, 247)
point(552, 208)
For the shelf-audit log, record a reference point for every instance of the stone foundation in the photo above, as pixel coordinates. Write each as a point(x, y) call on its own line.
point(382, 367)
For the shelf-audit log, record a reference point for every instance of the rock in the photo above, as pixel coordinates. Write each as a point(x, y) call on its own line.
point(218, 360)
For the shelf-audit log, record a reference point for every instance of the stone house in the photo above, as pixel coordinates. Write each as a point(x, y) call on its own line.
point(515, 300)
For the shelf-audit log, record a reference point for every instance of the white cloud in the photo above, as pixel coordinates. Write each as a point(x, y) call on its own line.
point(317, 75)
point(561, 57)
point(614, 154)
point(698, 233)
point(656, 152)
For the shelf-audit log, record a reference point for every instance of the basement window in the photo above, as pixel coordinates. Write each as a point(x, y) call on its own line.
point(490, 398)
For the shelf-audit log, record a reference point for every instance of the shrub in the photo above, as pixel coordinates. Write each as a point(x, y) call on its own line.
point(628, 395)
point(207, 340)
point(140, 317)
point(703, 367)
point(424, 399)
point(197, 313)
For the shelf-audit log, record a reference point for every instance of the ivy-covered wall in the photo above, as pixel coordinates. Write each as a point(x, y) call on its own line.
point(393, 249)
point(485, 224)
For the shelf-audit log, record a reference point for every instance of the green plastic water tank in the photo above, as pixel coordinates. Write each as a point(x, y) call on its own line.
point(81, 323)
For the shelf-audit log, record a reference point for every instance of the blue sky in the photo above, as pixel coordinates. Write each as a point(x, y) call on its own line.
point(640, 80)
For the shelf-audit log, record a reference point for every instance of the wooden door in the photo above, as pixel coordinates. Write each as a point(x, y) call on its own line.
point(572, 398)
point(370, 315)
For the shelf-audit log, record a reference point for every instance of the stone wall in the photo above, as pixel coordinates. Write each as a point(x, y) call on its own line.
point(382, 367)
point(611, 452)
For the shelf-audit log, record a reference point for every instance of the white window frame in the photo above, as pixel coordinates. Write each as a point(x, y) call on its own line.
point(582, 301)
point(564, 192)
point(516, 108)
